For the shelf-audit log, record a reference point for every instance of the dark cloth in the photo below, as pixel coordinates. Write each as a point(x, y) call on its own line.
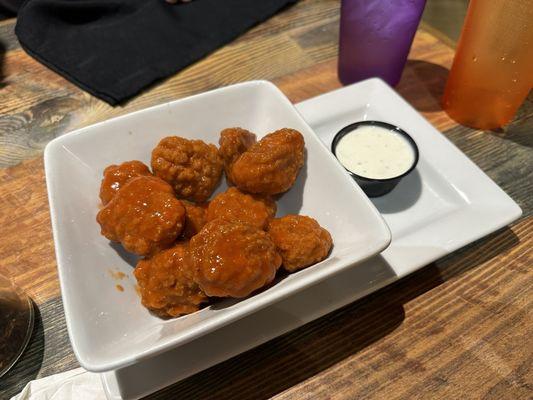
point(9, 8)
point(5, 14)
point(115, 48)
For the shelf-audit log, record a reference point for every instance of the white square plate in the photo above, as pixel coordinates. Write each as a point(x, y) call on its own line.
point(444, 204)
point(417, 208)
point(422, 212)
point(110, 329)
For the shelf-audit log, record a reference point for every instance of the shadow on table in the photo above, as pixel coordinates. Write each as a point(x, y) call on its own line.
point(28, 365)
point(424, 76)
point(519, 131)
point(295, 357)
point(484, 249)
point(2, 56)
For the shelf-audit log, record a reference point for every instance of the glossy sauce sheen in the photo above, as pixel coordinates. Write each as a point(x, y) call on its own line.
point(165, 283)
point(375, 152)
point(233, 259)
point(144, 216)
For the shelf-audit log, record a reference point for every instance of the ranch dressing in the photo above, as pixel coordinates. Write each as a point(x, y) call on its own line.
point(374, 152)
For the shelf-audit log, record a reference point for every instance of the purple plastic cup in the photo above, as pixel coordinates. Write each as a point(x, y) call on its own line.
point(375, 38)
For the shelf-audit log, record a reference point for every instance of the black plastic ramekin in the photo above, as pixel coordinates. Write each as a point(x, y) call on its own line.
point(371, 186)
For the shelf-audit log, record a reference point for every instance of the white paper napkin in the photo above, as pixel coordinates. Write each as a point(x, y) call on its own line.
point(77, 384)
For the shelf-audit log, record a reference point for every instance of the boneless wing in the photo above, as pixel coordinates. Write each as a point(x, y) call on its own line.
point(144, 216)
point(233, 142)
point(233, 205)
point(192, 167)
point(300, 240)
point(116, 176)
point(233, 259)
point(165, 283)
point(271, 165)
point(195, 218)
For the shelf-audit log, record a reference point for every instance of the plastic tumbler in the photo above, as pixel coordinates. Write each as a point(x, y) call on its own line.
point(375, 38)
point(492, 72)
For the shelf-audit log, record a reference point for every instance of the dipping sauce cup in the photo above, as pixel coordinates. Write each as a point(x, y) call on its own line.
point(376, 154)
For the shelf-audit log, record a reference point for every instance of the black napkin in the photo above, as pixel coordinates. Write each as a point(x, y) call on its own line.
point(115, 48)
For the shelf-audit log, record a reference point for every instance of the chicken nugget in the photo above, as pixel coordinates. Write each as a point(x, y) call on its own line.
point(233, 205)
point(116, 176)
point(195, 218)
point(233, 142)
point(165, 285)
point(144, 216)
point(232, 259)
point(271, 165)
point(300, 240)
point(192, 167)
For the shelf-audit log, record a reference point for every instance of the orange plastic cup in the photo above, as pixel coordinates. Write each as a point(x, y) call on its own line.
point(492, 72)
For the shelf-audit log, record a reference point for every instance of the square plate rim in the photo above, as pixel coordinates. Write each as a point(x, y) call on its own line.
point(109, 382)
point(210, 325)
point(501, 214)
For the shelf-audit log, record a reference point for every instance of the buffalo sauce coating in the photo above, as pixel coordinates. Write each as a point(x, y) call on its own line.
point(232, 259)
point(192, 167)
point(144, 216)
point(271, 165)
point(116, 176)
point(165, 283)
point(300, 240)
point(233, 142)
point(233, 205)
point(195, 218)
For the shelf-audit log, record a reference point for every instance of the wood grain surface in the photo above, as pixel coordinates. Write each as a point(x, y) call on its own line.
point(459, 328)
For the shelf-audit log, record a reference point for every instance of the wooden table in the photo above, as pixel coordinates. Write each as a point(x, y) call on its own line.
point(459, 328)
